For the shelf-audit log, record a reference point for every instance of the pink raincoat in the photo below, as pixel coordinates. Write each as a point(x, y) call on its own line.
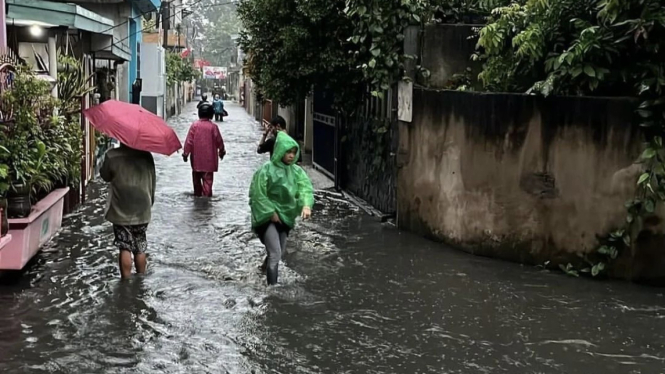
point(204, 143)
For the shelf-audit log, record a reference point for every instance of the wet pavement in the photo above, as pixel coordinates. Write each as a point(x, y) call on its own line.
point(356, 296)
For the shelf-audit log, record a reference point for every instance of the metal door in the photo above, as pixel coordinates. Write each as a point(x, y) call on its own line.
point(325, 130)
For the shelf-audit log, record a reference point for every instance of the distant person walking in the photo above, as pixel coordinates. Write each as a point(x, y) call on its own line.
point(218, 105)
point(280, 192)
point(206, 147)
point(131, 174)
point(204, 100)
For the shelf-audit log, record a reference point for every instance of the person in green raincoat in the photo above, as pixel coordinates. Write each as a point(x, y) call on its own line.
point(280, 192)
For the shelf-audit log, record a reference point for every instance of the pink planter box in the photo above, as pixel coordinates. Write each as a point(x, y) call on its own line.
point(29, 234)
point(3, 243)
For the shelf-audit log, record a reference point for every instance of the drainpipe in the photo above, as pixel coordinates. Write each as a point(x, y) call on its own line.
point(53, 62)
point(3, 25)
point(84, 159)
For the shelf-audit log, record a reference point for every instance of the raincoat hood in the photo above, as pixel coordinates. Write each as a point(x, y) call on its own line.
point(280, 188)
point(283, 144)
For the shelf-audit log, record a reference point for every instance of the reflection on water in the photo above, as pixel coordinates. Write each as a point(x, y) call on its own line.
point(356, 297)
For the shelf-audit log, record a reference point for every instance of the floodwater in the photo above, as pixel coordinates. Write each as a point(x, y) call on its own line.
point(356, 297)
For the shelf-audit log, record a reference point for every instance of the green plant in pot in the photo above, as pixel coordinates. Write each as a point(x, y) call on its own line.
point(24, 151)
point(31, 177)
point(73, 83)
point(18, 194)
point(39, 173)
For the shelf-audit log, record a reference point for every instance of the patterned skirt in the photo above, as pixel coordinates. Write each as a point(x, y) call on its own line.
point(131, 238)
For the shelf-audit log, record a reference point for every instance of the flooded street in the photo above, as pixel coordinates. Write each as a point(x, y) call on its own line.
point(356, 296)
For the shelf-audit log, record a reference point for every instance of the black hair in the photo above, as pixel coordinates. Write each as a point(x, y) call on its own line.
point(206, 111)
point(278, 121)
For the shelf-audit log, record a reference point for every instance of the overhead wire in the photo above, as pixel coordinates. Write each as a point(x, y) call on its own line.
point(146, 28)
point(133, 19)
point(143, 14)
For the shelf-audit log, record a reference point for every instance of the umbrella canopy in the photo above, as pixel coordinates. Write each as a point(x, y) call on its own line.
point(134, 126)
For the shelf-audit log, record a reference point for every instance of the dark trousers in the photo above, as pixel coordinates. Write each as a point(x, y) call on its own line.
point(202, 183)
point(219, 117)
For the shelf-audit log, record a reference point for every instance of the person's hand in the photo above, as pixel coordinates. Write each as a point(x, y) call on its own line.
point(306, 213)
point(222, 154)
point(275, 218)
point(184, 158)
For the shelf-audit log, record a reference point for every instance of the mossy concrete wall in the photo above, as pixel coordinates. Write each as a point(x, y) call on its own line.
point(523, 178)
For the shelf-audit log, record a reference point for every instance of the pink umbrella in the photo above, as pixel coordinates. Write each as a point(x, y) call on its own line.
point(134, 126)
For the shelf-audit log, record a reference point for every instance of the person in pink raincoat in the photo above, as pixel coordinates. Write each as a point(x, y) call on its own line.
point(204, 144)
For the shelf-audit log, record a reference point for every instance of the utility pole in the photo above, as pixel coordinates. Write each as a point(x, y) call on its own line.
point(166, 23)
point(178, 28)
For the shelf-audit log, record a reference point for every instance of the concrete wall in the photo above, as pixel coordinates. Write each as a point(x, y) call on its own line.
point(289, 114)
point(152, 69)
point(153, 75)
point(523, 178)
point(253, 106)
point(309, 123)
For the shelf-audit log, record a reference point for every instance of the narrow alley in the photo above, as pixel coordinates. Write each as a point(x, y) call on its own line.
point(356, 296)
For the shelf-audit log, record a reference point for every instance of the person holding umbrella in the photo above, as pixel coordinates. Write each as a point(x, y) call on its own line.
point(131, 174)
point(204, 144)
point(130, 171)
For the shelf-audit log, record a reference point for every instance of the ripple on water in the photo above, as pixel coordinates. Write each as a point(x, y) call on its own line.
point(356, 296)
point(202, 303)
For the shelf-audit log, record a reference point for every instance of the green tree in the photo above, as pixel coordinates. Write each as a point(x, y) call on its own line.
point(214, 26)
point(293, 45)
point(179, 69)
point(342, 45)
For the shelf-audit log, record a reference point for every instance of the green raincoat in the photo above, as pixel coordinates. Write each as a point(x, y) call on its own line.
point(281, 188)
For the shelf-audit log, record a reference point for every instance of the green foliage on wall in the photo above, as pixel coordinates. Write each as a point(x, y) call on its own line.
point(179, 69)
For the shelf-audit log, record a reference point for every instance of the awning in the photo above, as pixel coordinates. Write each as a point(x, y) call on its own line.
point(146, 6)
point(52, 14)
point(25, 12)
point(108, 48)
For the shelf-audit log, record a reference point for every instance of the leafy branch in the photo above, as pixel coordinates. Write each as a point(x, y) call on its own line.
point(179, 69)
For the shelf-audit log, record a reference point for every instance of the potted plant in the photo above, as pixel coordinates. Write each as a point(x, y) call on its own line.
point(18, 195)
point(19, 162)
point(22, 138)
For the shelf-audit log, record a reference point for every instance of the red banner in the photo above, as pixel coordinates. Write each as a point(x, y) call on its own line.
point(199, 63)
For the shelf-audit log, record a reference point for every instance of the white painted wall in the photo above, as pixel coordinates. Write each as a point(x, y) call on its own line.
point(152, 69)
point(289, 115)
